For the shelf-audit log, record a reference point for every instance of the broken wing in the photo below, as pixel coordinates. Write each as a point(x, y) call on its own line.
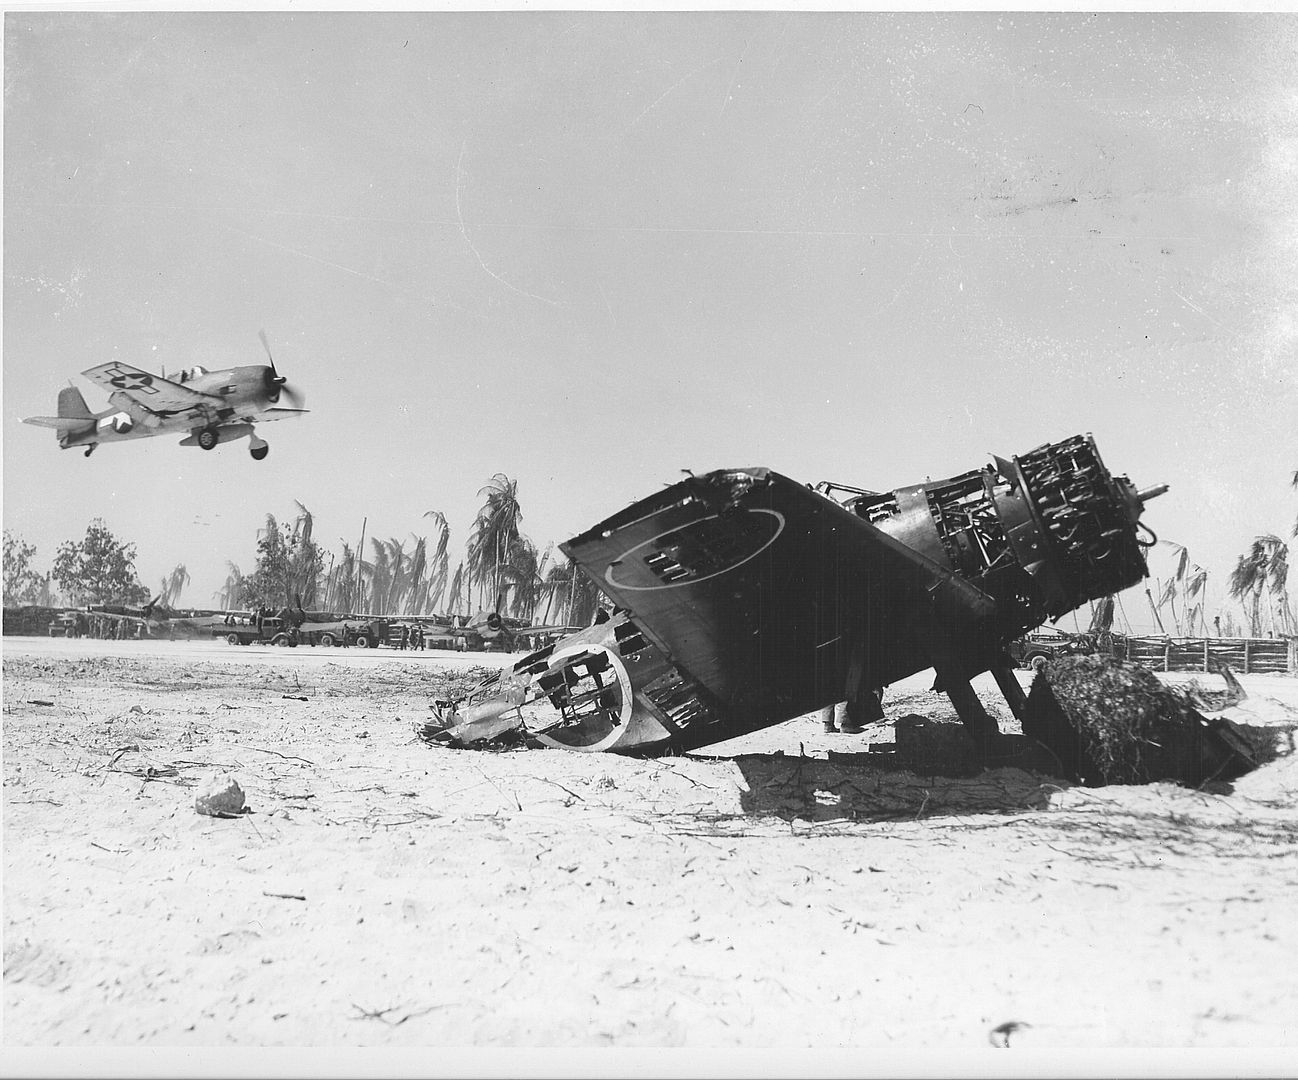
point(773, 597)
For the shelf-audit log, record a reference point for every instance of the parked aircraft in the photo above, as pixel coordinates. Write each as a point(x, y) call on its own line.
point(152, 617)
point(486, 630)
point(212, 406)
point(746, 598)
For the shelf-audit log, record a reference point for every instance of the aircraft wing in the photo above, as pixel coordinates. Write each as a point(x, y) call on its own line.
point(117, 616)
point(277, 413)
point(554, 628)
point(150, 392)
point(774, 598)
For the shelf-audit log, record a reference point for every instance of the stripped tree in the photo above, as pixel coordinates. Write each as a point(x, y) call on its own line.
point(172, 585)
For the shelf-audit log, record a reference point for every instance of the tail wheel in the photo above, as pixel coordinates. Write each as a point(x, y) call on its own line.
point(208, 438)
point(259, 452)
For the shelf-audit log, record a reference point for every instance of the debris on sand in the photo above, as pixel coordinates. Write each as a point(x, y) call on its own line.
point(1217, 700)
point(221, 796)
point(1113, 722)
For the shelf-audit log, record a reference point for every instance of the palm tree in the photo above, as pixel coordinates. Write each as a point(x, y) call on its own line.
point(577, 595)
point(305, 559)
point(521, 570)
point(398, 576)
point(439, 564)
point(495, 531)
point(1194, 592)
point(1175, 582)
point(455, 601)
point(1264, 568)
point(227, 596)
point(379, 573)
point(1188, 581)
point(416, 599)
point(172, 584)
point(340, 592)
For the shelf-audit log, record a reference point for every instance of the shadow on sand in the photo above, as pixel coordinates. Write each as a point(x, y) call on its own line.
point(934, 770)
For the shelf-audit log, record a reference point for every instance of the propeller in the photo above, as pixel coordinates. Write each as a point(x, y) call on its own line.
point(494, 620)
point(275, 382)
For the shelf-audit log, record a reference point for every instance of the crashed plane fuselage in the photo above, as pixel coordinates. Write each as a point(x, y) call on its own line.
point(745, 599)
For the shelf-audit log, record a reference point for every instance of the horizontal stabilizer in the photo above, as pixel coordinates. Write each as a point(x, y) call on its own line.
point(61, 423)
point(73, 414)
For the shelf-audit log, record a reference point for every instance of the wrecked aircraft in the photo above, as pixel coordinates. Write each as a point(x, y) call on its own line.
point(745, 599)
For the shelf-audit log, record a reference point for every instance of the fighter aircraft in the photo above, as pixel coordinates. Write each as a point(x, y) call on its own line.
point(746, 599)
point(486, 630)
point(212, 406)
point(153, 617)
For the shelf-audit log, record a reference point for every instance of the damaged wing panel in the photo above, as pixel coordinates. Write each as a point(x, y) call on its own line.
point(763, 591)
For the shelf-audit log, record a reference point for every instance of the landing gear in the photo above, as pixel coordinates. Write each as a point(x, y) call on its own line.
point(208, 438)
point(91, 448)
point(258, 448)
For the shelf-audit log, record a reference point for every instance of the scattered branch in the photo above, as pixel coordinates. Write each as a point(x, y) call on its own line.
point(286, 757)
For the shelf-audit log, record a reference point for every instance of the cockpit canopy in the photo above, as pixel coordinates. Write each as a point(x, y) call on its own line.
point(190, 374)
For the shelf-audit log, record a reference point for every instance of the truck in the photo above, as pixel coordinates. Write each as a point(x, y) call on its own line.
point(243, 630)
point(1033, 650)
point(362, 633)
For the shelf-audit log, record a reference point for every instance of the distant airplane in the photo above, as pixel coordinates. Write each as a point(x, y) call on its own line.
point(213, 406)
point(486, 629)
point(154, 615)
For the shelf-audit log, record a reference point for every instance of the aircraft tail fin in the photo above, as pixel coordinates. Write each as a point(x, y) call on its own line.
point(73, 413)
point(72, 406)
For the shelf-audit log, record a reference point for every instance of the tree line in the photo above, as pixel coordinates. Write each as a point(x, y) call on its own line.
point(502, 569)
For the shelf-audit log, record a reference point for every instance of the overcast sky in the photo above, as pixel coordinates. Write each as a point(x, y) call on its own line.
point(590, 250)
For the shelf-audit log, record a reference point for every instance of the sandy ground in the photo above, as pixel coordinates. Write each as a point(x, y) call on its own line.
point(756, 894)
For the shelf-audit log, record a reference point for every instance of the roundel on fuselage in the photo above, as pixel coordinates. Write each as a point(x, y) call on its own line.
point(695, 552)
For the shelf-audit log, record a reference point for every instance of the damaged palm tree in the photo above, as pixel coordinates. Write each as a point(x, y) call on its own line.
point(1112, 722)
point(744, 598)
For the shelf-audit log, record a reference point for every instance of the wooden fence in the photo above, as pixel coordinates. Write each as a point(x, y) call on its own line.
point(1245, 655)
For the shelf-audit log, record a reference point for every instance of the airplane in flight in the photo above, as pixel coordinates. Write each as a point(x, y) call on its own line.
point(212, 407)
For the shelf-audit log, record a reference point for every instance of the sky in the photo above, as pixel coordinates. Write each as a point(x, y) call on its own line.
point(590, 250)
